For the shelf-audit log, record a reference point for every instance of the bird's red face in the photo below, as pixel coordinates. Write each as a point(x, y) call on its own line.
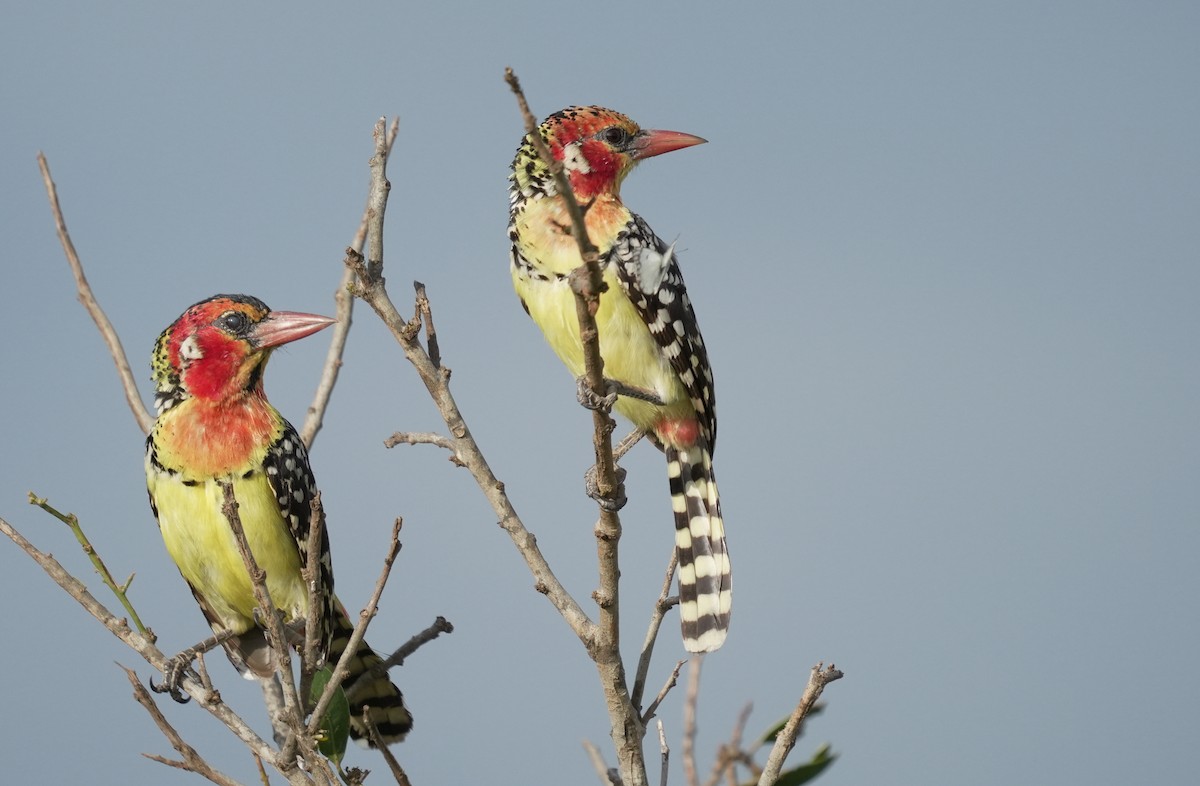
point(598, 147)
point(219, 346)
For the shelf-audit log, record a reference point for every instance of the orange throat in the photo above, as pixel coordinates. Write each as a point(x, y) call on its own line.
point(205, 439)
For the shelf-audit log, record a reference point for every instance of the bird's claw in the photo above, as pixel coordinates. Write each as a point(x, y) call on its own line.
point(590, 399)
point(176, 669)
point(612, 502)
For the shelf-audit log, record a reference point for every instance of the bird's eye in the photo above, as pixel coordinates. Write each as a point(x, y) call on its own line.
point(235, 322)
point(615, 136)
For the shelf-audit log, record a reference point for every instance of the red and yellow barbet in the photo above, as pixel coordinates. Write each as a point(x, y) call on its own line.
point(649, 338)
point(215, 425)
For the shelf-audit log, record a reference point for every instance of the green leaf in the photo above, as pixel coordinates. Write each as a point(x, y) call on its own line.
point(335, 726)
point(768, 737)
point(806, 772)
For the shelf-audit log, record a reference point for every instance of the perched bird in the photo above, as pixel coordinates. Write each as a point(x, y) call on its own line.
point(649, 339)
point(216, 426)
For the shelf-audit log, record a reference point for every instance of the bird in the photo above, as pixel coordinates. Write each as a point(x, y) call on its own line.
point(654, 356)
point(215, 428)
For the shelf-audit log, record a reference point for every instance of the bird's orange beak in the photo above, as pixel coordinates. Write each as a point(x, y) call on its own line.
point(280, 327)
point(651, 143)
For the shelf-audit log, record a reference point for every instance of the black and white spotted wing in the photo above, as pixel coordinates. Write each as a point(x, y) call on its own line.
point(294, 486)
point(650, 274)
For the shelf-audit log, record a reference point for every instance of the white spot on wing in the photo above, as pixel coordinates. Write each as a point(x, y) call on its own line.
point(652, 268)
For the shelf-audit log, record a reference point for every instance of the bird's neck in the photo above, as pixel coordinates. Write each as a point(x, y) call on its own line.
point(214, 438)
point(543, 233)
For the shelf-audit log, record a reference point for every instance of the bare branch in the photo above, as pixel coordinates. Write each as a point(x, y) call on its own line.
point(734, 748)
point(373, 291)
point(377, 196)
point(786, 739)
point(440, 625)
point(664, 752)
point(344, 311)
point(144, 419)
point(587, 284)
point(377, 738)
point(609, 776)
point(731, 753)
point(426, 316)
point(192, 761)
point(364, 619)
point(311, 574)
point(423, 438)
point(661, 607)
point(689, 720)
point(140, 643)
point(271, 620)
point(121, 591)
point(276, 707)
point(662, 694)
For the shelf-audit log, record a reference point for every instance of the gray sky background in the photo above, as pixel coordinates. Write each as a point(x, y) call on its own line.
point(945, 259)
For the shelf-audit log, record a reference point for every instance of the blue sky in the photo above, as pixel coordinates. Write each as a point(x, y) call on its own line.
point(945, 260)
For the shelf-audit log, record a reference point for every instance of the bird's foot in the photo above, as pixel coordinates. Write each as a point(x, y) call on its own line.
point(590, 399)
point(612, 502)
point(173, 673)
point(180, 666)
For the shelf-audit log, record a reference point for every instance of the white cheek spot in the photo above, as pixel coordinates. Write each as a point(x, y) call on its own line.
point(190, 349)
point(573, 160)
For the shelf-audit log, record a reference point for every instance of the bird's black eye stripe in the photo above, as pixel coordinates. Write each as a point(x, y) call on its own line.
point(615, 136)
point(235, 322)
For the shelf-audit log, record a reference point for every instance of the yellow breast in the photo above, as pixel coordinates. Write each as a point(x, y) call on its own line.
point(199, 540)
point(631, 355)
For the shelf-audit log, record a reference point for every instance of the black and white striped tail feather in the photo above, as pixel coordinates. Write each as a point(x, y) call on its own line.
point(705, 581)
point(386, 703)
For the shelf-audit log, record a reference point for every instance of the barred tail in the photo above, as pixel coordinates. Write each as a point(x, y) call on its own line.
point(387, 710)
point(705, 581)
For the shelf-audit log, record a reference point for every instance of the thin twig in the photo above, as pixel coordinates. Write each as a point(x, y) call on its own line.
point(426, 315)
point(377, 738)
point(374, 292)
point(735, 742)
point(609, 776)
point(423, 438)
point(202, 671)
point(311, 573)
point(364, 619)
point(144, 419)
point(344, 303)
point(818, 678)
point(344, 314)
point(661, 607)
point(262, 773)
point(587, 284)
point(729, 754)
point(192, 761)
point(377, 201)
point(209, 699)
point(271, 620)
point(120, 590)
point(665, 753)
point(440, 625)
point(276, 707)
point(662, 694)
point(689, 720)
